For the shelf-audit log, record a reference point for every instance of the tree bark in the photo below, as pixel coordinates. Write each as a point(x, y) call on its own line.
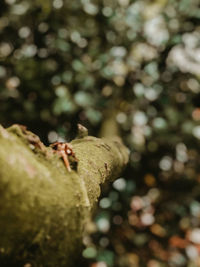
point(43, 206)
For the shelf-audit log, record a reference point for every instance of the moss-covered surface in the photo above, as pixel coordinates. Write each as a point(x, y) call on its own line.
point(43, 207)
point(103, 160)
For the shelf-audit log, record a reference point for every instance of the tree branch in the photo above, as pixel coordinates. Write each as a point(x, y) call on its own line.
point(43, 207)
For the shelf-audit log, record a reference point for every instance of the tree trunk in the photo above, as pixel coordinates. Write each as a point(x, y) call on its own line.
point(43, 206)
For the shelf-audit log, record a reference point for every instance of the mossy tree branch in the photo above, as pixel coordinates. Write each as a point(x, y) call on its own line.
point(43, 207)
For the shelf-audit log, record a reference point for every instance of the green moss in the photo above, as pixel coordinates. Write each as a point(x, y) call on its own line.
point(43, 206)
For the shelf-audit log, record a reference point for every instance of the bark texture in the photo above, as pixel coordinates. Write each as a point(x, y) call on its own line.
point(43, 207)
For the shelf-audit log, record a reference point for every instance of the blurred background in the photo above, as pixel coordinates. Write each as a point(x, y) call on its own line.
point(108, 64)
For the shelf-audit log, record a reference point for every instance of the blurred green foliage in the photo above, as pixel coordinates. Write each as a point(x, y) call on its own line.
point(63, 62)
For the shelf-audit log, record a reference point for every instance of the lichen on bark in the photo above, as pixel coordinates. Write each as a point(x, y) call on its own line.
point(43, 207)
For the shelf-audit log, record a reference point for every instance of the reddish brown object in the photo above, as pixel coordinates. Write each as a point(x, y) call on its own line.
point(64, 150)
